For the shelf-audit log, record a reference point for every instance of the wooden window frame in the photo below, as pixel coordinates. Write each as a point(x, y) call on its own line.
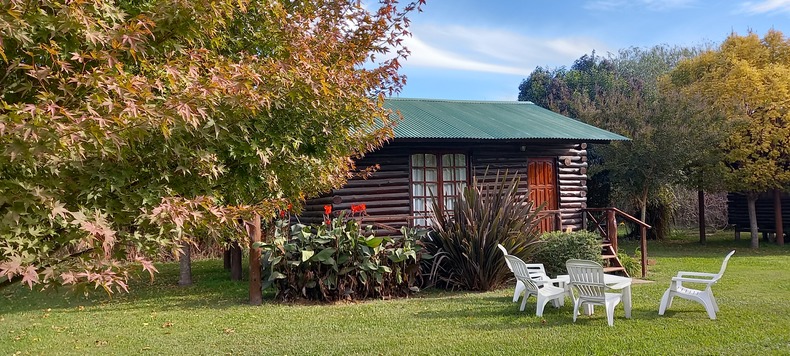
point(440, 181)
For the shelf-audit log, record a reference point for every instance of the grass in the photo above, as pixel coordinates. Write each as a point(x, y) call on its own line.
point(212, 318)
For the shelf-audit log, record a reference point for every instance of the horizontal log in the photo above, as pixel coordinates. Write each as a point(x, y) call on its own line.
point(377, 182)
point(573, 193)
point(573, 227)
point(566, 199)
point(334, 199)
point(374, 195)
point(568, 170)
point(563, 176)
point(570, 182)
point(574, 164)
point(372, 190)
point(374, 204)
point(564, 205)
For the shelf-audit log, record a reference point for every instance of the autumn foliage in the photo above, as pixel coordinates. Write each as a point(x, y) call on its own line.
point(126, 126)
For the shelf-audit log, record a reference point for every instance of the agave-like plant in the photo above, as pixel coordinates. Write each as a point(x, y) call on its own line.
point(464, 240)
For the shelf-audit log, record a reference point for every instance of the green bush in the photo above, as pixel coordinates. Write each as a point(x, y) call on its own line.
point(464, 243)
point(632, 265)
point(339, 261)
point(558, 247)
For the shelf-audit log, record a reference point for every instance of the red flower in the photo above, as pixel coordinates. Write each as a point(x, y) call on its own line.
point(327, 209)
point(282, 213)
point(327, 222)
point(290, 206)
point(358, 208)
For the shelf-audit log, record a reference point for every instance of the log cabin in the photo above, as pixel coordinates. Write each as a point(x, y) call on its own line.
point(766, 209)
point(440, 145)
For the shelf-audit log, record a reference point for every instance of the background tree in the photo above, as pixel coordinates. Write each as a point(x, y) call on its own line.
point(125, 126)
point(622, 93)
point(747, 79)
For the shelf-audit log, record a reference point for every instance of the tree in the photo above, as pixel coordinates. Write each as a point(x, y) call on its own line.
point(621, 93)
point(747, 80)
point(127, 126)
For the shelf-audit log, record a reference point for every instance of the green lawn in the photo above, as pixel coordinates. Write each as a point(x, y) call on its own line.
point(211, 317)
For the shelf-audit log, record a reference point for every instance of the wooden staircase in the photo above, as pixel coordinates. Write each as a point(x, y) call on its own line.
point(611, 263)
point(605, 222)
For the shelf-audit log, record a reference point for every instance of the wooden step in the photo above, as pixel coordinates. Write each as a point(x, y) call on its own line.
point(607, 257)
point(613, 269)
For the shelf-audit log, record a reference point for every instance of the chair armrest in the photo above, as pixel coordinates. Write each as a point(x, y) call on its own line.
point(698, 274)
point(693, 280)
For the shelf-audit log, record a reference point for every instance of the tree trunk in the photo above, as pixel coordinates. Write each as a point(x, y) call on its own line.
point(701, 215)
point(226, 258)
point(235, 261)
point(185, 265)
point(780, 238)
point(751, 200)
point(256, 294)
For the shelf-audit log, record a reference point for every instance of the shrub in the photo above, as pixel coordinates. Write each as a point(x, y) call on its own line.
point(633, 266)
point(464, 243)
point(558, 247)
point(338, 261)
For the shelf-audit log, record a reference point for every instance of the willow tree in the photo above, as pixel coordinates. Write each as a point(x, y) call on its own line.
point(747, 79)
point(125, 127)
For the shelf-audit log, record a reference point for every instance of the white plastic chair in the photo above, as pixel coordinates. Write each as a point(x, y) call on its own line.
point(544, 294)
point(587, 280)
point(536, 271)
point(704, 297)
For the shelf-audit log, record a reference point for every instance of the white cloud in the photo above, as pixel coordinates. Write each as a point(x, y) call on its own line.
point(654, 5)
point(493, 50)
point(761, 7)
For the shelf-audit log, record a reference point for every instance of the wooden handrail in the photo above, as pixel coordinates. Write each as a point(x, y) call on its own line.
point(624, 214)
point(611, 230)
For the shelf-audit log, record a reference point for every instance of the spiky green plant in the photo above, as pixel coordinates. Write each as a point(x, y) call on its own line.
point(464, 240)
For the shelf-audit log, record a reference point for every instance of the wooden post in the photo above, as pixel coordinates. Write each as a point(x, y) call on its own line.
point(643, 246)
point(611, 228)
point(701, 215)
point(256, 295)
point(780, 238)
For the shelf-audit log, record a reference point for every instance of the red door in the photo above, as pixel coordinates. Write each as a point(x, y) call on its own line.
point(542, 181)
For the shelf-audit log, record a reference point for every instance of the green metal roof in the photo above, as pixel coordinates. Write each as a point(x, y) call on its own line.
point(496, 120)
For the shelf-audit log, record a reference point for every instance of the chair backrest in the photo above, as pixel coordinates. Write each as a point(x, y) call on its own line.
point(535, 270)
point(724, 265)
point(521, 272)
point(586, 277)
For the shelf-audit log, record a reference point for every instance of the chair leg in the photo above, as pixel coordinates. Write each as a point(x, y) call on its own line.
point(519, 290)
point(524, 301)
point(713, 300)
point(666, 301)
point(540, 305)
point(708, 307)
point(576, 303)
point(610, 314)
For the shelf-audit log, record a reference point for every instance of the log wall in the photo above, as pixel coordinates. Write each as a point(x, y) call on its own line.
point(738, 213)
point(387, 192)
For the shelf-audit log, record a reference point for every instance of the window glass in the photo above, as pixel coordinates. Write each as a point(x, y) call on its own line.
point(433, 176)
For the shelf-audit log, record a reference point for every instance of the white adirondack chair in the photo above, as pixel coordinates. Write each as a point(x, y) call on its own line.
point(702, 296)
point(587, 280)
point(543, 290)
point(536, 271)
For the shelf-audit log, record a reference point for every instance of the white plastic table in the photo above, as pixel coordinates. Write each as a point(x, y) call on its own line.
point(610, 280)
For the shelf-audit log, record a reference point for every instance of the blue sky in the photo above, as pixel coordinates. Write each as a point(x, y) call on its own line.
point(481, 50)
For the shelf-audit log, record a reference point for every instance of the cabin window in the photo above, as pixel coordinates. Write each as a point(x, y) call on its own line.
point(439, 177)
